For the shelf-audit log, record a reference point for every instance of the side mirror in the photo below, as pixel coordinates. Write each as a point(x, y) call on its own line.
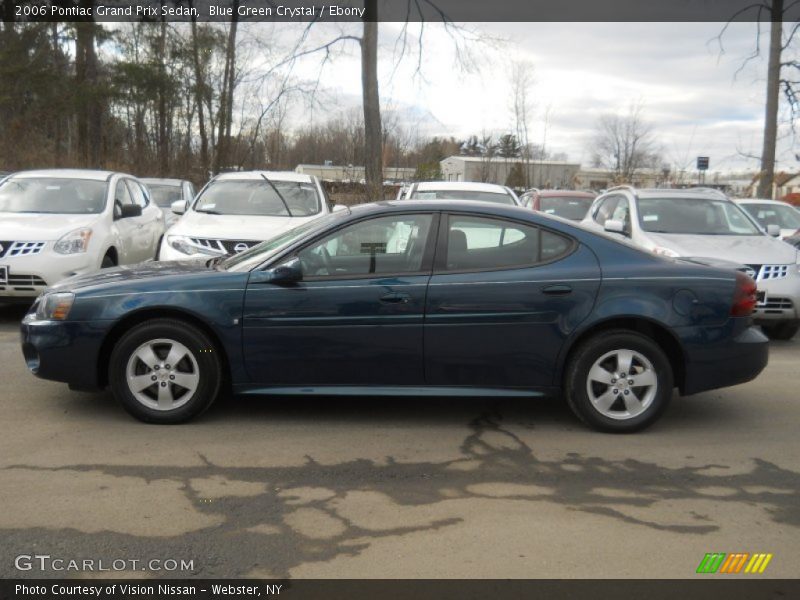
point(615, 226)
point(339, 208)
point(178, 207)
point(129, 210)
point(773, 230)
point(288, 272)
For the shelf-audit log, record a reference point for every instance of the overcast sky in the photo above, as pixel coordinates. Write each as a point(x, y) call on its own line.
point(689, 90)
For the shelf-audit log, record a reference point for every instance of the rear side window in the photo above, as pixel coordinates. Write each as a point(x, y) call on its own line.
point(478, 243)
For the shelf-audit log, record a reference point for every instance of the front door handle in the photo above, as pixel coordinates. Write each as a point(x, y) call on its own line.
point(557, 290)
point(396, 298)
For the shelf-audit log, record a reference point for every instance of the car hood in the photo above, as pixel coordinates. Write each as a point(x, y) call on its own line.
point(235, 227)
point(133, 273)
point(41, 227)
point(744, 249)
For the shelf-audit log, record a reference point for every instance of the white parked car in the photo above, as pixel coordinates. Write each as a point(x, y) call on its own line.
point(63, 222)
point(235, 211)
point(775, 217)
point(166, 191)
point(461, 190)
point(705, 224)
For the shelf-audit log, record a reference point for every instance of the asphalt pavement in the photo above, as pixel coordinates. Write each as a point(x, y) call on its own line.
point(399, 487)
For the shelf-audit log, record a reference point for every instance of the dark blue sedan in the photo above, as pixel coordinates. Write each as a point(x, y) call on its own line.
point(409, 298)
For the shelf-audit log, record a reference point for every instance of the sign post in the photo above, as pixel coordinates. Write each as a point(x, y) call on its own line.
point(702, 167)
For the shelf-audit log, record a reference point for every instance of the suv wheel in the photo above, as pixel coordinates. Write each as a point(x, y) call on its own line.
point(165, 371)
point(781, 331)
point(618, 381)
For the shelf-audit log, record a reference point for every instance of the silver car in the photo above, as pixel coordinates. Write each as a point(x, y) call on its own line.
point(704, 224)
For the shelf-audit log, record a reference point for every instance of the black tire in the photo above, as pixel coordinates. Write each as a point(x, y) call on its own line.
point(108, 262)
point(781, 331)
point(584, 358)
point(158, 248)
point(207, 366)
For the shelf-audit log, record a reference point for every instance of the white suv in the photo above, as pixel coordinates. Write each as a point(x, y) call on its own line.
point(235, 211)
point(63, 222)
point(704, 224)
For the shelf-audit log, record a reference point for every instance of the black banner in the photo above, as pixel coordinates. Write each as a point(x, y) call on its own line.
point(703, 588)
point(396, 10)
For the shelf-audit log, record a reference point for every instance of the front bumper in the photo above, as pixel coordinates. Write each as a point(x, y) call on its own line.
point(782, 301)
point(722, 357)
point(65, 351)
point(29, 276)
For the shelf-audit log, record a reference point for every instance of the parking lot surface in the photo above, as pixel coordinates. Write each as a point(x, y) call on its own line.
point(316, 487)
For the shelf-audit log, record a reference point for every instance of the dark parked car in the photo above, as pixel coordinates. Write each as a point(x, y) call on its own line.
point(449, 298)
point(567, 204)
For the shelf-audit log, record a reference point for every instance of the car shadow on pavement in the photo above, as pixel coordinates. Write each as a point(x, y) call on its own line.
point(293, 515)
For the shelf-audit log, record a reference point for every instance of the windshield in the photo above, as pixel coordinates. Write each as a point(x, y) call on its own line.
point(164, 194)
point(500, 198)
point(247, 260)
point(694, 216)
point(258, 198)
point(52, 195)
point(784, 217)
point(566, 207)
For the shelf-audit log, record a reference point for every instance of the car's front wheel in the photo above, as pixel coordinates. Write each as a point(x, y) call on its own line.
point(165, 371)
point(618, 381)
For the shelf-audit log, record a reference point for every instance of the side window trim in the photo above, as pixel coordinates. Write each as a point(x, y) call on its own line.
point(440, 259)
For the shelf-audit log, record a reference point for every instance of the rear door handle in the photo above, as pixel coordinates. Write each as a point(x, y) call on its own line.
point(396, 298)
point(557, 290)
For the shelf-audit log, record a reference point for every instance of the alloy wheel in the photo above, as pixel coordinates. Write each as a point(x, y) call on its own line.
point(162, 374)
point(622, 384)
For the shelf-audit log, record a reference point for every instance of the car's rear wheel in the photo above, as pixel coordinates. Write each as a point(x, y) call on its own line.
point(618, 381)
point(165, 371)
point(781, 331)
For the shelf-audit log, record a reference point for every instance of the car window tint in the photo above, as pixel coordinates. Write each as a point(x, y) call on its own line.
point(387, 245)
point(554, 246)
point(475, 243)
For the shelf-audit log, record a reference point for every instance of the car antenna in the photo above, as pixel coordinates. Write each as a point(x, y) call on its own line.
point(272, 185)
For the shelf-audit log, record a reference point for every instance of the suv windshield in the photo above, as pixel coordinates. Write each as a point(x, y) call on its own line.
point(164, 194)
point(462, 195)
point(566, 207)
point(257, 197)
point(766, 214)
point(694, 216)
point(52, 195)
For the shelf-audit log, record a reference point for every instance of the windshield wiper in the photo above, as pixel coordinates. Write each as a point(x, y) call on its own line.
point(272, 185)
point(208, 212)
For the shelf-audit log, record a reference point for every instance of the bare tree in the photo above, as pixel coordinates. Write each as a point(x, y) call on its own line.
point(775, 11)
point(624, 144)
point(521, 74)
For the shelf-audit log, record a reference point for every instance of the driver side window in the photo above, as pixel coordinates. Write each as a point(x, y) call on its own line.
point(121, 197)
point(388, 245)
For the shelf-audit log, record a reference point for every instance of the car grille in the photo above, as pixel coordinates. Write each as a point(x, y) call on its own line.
point(23, 283)
point(11, 249)
point(227, 246)
point(774, 306)
point(770, 272)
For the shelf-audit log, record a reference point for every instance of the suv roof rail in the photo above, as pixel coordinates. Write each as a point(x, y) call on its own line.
point(624, 186)
point(708, 189)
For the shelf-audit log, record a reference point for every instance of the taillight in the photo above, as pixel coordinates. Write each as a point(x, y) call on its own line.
point(744, 296)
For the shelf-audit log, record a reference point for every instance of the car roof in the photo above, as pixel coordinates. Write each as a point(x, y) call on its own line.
point(476, 206)
point(93, 174)
point(565, 193)
point(161, 180)
point(471, 186)
point(761, 201)
point(675, 193)
point(273, 175)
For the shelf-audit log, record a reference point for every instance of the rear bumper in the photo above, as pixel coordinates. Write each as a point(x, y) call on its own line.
point(726, 356)
point(65, 351)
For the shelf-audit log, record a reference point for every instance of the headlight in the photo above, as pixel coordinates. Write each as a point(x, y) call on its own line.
point(661, 251)
point(54, 307)
point(74, 242)
point(185, 245)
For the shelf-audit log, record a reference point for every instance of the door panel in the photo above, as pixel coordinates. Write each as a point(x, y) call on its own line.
point(355, 319)
point(505, 327)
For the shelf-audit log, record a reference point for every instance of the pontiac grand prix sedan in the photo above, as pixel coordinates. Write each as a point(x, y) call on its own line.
point(449, 298)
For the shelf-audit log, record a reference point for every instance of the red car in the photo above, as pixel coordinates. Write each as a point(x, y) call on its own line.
point(566, 204)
